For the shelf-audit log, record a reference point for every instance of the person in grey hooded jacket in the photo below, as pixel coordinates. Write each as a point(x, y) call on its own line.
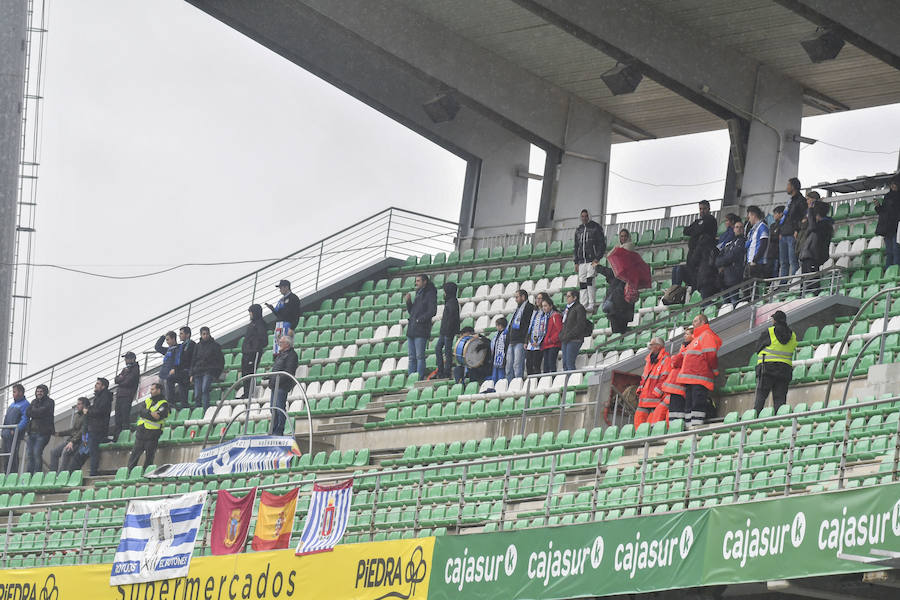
point(449, 328)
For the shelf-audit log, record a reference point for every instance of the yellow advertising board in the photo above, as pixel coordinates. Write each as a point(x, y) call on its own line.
point(369, 571)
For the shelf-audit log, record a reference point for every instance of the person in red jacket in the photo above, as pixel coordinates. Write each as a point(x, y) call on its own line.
point(550, 345)
point(699, 370)
point(672, 406)
point(656, 369)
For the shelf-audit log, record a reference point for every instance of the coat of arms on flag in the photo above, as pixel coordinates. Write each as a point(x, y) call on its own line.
point(231, 522)
point(275, 520)
point(157, 539)
point(326, 521)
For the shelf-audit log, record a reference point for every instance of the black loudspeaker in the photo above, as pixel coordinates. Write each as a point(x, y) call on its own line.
point(622, 79)
point(441, 108)
point(823, 47)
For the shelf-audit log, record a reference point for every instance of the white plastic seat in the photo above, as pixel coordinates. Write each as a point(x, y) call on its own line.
point(610, 358)
point(337, 352)
point(402, 364)
point(843, 262)
point(481, 293)
point(541, 285)
point(224, 414)
point(582, 361)
point(468, 310)
point(842, 249)
point(498, 307)
point(575, 379)
point(571, 282)
point(725, 309)
point(296, 406)
point(626, 354)
point(342, 386)
point(496, 292)
point(558, 381)
point(586, 344)
point(388, 365)
point(485, 386)
point(395, 331)
point(894, 324)
point(543, 385)
point(312, 389)
point(528, 286)
point(875, 243)
point(357, 384)
point(208, 415)
point(482, 323)
point(327, 388)
point(483, 308)
point(350, 351)
point(515, 387)
point(510, 290)
point(876, 326)
point(381, 332)
point(858, 246)
point(556, 285)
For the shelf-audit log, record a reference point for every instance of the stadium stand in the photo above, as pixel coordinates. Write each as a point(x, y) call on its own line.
point(541, 460)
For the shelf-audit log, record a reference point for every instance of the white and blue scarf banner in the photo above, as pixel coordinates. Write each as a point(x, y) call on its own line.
point(250, 454)
point(157, 539)
point(326, 521)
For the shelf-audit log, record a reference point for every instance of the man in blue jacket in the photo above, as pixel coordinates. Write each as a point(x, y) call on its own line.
point(16, 414)
point(422, 307)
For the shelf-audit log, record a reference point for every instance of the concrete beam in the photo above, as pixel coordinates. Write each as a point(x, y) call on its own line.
point(493, 196)
point(871, 26)
point(520, 100)
point(12, 96)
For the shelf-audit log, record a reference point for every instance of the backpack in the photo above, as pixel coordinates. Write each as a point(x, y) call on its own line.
point(676, 294)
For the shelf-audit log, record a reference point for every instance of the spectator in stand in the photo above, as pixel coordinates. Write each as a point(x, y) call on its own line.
point(254, 343)
point(286, 361)
point(774, 246)
point(590, 246)
point(575, 327)
point(732, 261)
point(550, 344)
point(184, 358)
point(537, 329)
point(728, 234)
point(421, 309)
point(673, 404)
point(757, 243)
point(817, 242)
point(206, 367)
point(63, 456)
point(40, 428)
point(625, 240)
point(167, 370)
point(463, 373)
point(699, 370)
point(98, 422)
point(152, 417)
point(127, 382)
point(449, 328)
point(699, 270)
point(499, 347)
point(619, 302)
point(286, 310)
point(519, 323)
point(775, 362)
point(793, 214)
point(656, 370)
point(16, 414)
point(888, 209)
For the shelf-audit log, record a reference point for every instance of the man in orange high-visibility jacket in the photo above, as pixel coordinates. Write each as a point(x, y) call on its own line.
point(672, 406)
point(656, 369)
point(699, 370)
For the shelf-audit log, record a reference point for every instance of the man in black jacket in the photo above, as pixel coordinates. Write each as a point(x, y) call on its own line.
point(62, 457)
point(888, 210)
point(254, 343)
point(731, 261)
point(98, 422)
point(449, 328)
point(127, 382)
point(280, 385)
point(286, 311)
point(518, 335)
point(699, 269)
point(151, 419)
point(590, 246)
point(421, 309)
point(184, 359)
point(774, 367)
point(788, 257)
point(208, 363)
point(575, 328)
point(816, 242)
point(40, 428)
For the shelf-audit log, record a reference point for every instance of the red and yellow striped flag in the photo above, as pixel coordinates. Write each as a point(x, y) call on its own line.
point(275, 520)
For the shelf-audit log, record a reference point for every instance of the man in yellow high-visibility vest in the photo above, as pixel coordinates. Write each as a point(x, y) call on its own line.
point(152, 419)
point(775, 362)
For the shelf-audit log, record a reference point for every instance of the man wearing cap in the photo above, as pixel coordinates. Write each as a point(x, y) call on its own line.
point(699, 370)
point(126, 387)
point(656, 369)
point(286, 311)
point(774, 365)
point(153, 413)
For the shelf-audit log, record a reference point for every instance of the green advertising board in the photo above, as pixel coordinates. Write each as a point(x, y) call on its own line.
point(781, 538)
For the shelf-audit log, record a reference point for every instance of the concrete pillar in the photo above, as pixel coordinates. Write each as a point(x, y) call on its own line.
point(772, 157)
point(12, 93)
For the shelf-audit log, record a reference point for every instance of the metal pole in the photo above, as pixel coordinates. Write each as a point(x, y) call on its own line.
point(253, 293)
point(884, 325)
point(844, 445)
point(387, 234)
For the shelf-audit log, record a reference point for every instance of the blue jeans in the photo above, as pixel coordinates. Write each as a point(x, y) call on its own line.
point(279, 400)
point(787, 257)
point(515, 361)
point(202, 383)
point(570, 354)
point(498, 374)
point(417, 355)
point(443, 349)
point(891, 251)
point(34, 449)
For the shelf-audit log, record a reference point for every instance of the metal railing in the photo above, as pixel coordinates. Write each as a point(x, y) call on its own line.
point(6, 456)
point(390, 233)
point(814, 450)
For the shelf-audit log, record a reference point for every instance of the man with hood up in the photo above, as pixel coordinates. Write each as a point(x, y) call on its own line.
point(422, 307)
point(774, 367)
point(254, 343)
point(449, 328)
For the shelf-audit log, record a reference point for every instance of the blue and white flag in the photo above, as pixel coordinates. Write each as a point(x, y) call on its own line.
point(326, 521)
point(157, 539)
point(246, 454)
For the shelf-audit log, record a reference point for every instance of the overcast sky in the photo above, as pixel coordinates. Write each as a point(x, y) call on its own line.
point(169, 137)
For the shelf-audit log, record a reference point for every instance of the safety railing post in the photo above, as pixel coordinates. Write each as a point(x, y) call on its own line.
point(596, 489)
point(387, 233)
point(253, 293)
point(884, 326)
point(187, 320)
point(548, 498)
point(527, 403)
point(644, 463)
point(792, 448)
point(84, 522)
point(7, 538)
point(690, 469)
point(844, 443)
point(421, 487)
point(319, 265)
point(894, 474)
point(119, 353)
point(562, 402)
point(462, 496)
point(740, 463)
point(375, 495)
